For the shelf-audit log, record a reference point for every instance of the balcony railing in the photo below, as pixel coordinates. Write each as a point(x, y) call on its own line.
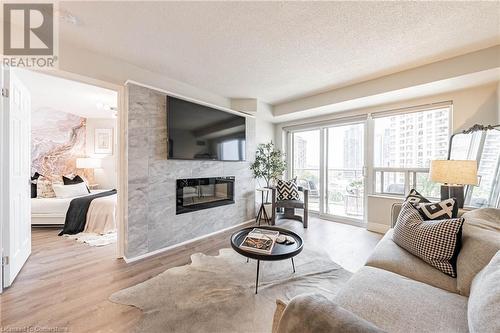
point(345, 190)
point(399, 181)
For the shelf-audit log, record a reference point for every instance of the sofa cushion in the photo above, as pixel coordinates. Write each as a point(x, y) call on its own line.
point(484, 302)
point(480, 242)
point(484, 218)
point(397, 304)
point(313, 313)
point(437, 242)
point(389, 256)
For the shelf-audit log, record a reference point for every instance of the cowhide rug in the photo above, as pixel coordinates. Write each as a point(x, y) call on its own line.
point(217, 293)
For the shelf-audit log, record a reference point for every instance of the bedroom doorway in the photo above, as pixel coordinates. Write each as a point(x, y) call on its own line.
point(73, 155)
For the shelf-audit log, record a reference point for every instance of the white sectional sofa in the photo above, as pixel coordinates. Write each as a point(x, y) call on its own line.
point(398, 292)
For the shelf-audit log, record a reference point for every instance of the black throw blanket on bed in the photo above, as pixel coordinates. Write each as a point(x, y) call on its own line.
point(76, 217)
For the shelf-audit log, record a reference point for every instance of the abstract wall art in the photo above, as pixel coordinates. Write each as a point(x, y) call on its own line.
point(58, 138)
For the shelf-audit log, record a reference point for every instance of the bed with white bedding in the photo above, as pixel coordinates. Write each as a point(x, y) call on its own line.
point(52, 211)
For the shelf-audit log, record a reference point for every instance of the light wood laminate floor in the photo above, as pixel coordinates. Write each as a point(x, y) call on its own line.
point(66, 285)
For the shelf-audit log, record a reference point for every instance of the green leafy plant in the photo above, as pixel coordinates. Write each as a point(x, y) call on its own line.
point(269, 163)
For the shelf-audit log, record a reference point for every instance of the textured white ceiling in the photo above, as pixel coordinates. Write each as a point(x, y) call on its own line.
point(54, 93)
point(278, 51)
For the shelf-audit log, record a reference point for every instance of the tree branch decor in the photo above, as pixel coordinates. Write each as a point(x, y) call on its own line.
point(269, 163)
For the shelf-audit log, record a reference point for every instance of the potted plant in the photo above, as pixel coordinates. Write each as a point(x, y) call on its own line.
point(269, 166)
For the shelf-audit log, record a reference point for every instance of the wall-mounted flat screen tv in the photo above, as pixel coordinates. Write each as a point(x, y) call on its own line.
point(198, 132)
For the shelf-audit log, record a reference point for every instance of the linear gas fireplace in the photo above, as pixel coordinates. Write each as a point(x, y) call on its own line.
point(201, 193)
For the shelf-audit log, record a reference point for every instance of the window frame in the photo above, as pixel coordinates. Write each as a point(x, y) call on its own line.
point(369, 168)
point(410, 172)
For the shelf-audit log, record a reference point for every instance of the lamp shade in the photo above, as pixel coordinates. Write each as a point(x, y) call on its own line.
point(88, 163)
point(454, 172)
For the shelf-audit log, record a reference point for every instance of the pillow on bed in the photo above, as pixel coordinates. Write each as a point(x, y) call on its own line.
point(44, 188)
point(34, 180)
point(70, 191)
point(72, 180)
point(75, 180)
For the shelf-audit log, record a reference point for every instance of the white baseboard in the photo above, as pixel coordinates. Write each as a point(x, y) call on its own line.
point(172, 247)
point(378, 227)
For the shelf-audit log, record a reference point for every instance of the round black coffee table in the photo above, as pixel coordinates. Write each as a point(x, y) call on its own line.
point(279, 252)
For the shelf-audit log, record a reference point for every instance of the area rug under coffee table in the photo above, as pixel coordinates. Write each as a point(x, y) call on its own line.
point(217, 293)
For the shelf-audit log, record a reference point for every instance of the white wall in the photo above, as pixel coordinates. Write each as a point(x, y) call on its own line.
point(263, 124)
point(105, 177)
point(498, 102)
point(379, 209)
point(263, 113)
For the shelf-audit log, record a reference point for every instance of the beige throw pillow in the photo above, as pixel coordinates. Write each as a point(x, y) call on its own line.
point(44, 188)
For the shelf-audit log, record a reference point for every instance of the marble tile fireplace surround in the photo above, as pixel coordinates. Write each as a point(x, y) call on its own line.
point(152, 221)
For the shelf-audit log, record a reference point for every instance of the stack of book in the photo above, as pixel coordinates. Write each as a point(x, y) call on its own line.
point(260, 240)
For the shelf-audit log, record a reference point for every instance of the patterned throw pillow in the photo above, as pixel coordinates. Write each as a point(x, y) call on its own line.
point(446, 209)
point(34, 180)
point(436, 242)
point(415, 197)
point(288, 190)
point(44, 188)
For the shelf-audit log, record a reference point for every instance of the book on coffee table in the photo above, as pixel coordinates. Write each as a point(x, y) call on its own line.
point(260, 240)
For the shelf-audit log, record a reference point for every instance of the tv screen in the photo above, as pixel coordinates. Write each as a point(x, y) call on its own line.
point(198, 132)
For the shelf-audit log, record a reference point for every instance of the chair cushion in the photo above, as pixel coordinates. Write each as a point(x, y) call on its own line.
point(287, 190)
point(437, 242)
point(398, 304)
point(390, 256)
point(480, 242)
point(484, 301)
point(290, 204)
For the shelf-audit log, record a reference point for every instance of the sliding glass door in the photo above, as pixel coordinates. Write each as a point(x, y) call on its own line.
point(306, 164)
point(329, 162)
point(345, 185)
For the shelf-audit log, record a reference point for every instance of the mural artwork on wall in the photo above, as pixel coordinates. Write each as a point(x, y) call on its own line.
point(58, 138)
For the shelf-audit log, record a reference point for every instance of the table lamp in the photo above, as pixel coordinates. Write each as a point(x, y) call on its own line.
point(454, 174)
point(89, 163)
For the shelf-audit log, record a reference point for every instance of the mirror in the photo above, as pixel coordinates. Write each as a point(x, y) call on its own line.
point(481, 143)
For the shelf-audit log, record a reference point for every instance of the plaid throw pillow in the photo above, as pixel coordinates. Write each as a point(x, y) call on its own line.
point(436, 242)
point(288, 190)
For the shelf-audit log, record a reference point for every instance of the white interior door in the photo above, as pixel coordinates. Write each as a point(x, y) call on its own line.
point(16, 153)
